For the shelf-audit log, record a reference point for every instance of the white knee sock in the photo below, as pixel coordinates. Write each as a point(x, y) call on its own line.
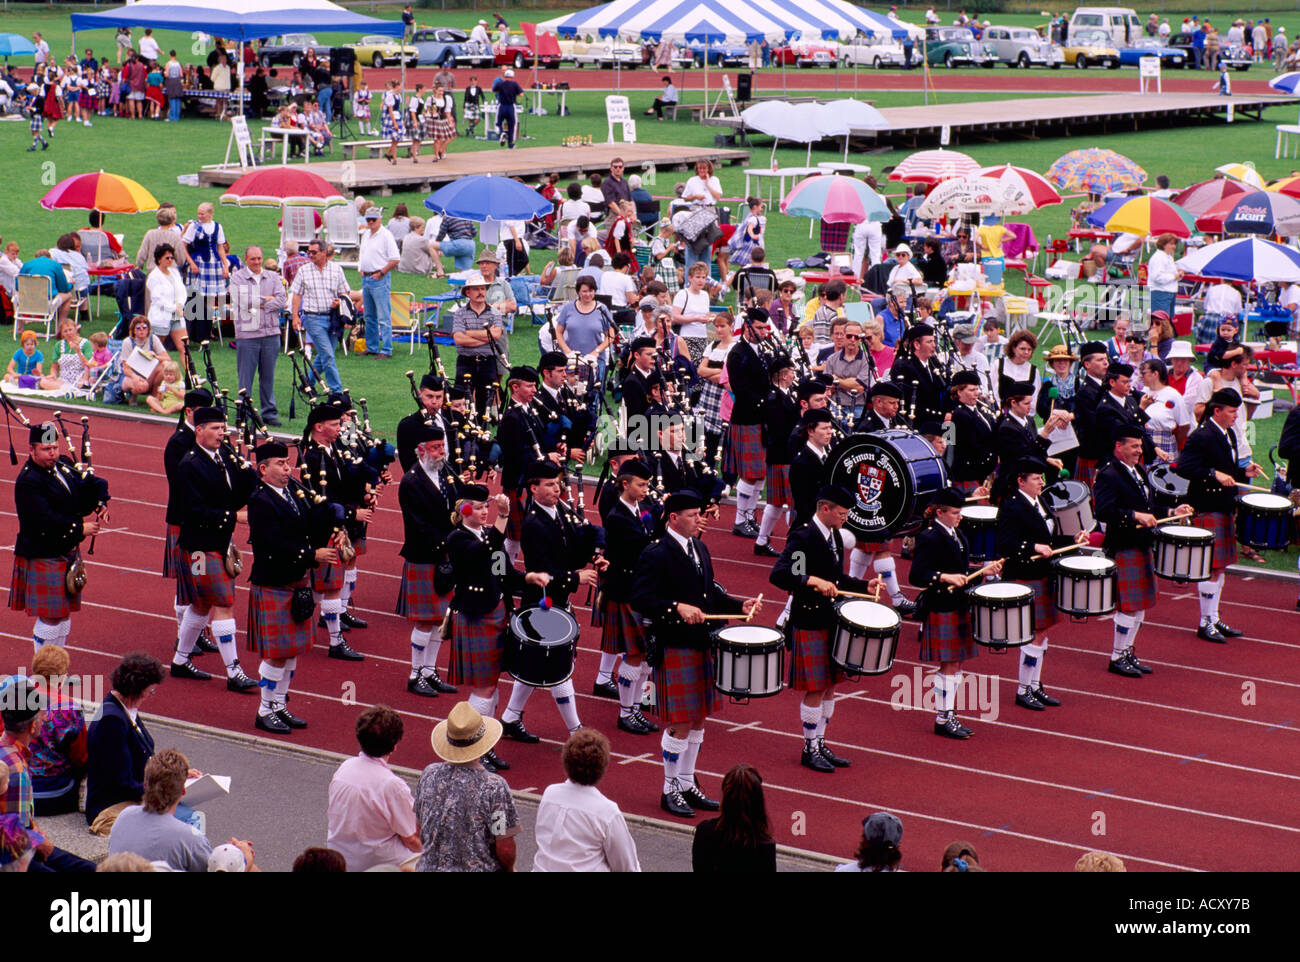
point(481, 705)
point(519, 696)
point(420, 641)
point(1031, 659)
point(784, 616)
point(270, 679)
point(1208, 595)
point(180, 615)
point(224, 632)
point(349, 586)
point(331, 608)
point(828, 709)
point(45, 633)
point(686, 766)
point(432, 649)
point(1125, 632)
point(193, 624)
point(885, 568)
point(629, 688)
point(747, 496)
point(65, 629)
point(567, 703)
point(673, 749)
point(286, 677)
point(646, 672)
point(606, 672)
point(771, 515)
point(810, 717)
point(1137, 623)
point(945, 691)
point(858, 561)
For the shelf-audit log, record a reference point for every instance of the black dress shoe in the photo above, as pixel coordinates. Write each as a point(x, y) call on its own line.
point(605, 690)
point(240, 682)
point(966, 732)
point(436, 683)
point(905, 608)
point(1226, 631)
point(1041, 694)
point(349, 620)
point(205, 645)
point(765, 551)
point(630, 724)
point(1211, 633)
point(1121, 666)
point(345, 652)
point(320, 623)
point(952, 729)
point(516, 731)
point(272, 724)
point(1132, 659)
point(419, 685)
point(493, 762)
point(813, 759)
point(644, 721)
point(1026, 699)
point(824, 750)
point(698, 800)
point(746, 529)
point(188, 670)
point(674, 804)
point(289, 718)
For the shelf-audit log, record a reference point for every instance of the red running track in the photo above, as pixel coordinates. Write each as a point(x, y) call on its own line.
point(1159, 770)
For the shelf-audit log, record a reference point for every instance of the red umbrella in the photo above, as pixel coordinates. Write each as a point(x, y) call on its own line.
point(933, 167)
point(280, 186)
point(1199, 198)
point(1027, 183)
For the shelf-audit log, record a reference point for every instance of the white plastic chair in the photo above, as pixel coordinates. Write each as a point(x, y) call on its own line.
point(35, 304)
point(297, 224)
point(342, 233)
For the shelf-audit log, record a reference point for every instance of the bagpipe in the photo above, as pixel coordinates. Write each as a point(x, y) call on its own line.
point(92, 490)
point(305, 382)
point(218, 396)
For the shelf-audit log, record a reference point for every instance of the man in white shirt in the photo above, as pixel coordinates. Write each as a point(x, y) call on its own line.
point(1164, 28)
point(578, 828)
point(149, 48)
point(378, 258)
point(969, 359)
point(617, 283)
point(479, 34)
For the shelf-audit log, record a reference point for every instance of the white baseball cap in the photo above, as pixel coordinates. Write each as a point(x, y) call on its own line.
point(226, 858)
point(509, 72)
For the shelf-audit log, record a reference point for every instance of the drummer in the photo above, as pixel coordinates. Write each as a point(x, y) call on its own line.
point(1025, 536)
point(1123, 493)
point(940, 566)
point(1209, 462)
point(811, 568)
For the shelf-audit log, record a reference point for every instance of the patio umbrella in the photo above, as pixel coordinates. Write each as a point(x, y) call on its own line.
point(1095, 170)
point(1199, 198)
point(1245, 259)
point(482, 196)
point(1287, 185)
point(784, 121)
point(15, 45)
point(1246, 173)
point(1144, 216)
point(280, 186)
point(933, 167)
point(107, 193)
point(840, 118)
point(974, 195)
point(835, 199)
point(1027, 183)
point(1256, 212)
point(1286, 83)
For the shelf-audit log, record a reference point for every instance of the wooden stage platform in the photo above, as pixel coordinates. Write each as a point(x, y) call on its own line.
point(382, 178)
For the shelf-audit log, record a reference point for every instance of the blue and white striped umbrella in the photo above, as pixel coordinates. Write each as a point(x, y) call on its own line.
point(1245, 259)
point(1286, 83)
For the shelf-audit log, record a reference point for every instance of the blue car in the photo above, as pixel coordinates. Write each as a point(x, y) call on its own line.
point(1152, 47)
point(720, 54)
point(447, 47)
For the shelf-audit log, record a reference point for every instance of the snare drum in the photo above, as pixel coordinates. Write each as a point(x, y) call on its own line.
point(1002, 614)
point(865, 638)
point(748, 661)
point(979, 521)
point(542, 646)
point(1068, 502)
point(1085, 586)
point(1183, 553)
point(1168, 488)
point(1265, 521)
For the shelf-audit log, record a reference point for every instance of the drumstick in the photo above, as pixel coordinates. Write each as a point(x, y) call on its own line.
point(1252, 487)
point(1174, 517)
point(982, 571)
point(977, 497)
point(857, 594)
point(758, 603)
point(1068, 547)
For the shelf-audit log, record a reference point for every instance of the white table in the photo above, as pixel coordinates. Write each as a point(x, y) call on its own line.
point(780, 174)
point(759, 174)
point(561, 98)
point(285, 134)
point(841, 166)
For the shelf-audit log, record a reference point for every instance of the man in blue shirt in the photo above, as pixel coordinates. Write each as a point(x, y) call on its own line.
point(60, 286)
point(508, 93)
point(1198, 45)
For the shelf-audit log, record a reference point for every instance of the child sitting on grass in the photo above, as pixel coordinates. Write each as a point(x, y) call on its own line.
point(100, 358)
point(169, 397)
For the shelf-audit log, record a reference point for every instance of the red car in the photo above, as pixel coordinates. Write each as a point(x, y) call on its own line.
point(518, 53)
point(806, 54)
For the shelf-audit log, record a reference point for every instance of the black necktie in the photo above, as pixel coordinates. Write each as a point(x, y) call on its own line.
point(695, 559)
point(1232, 442)
point(835, 551)
point(1137, 476)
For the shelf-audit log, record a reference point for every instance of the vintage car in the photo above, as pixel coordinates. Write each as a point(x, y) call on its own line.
point(720, 54)
point(516, 52)
point(447, 46)
point(601, 53)
point(1233, 56)
point(289, 49)
point(1021, 47)
point(381, 51)
point(1092, 47)
point(806, 53)
point(876, 52)
point(955, 47)
point(1153, 47)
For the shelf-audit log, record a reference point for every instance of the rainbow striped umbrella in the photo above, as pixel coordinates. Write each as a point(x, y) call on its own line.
point(106, 193)
point(1143, 216)
point(835, 199)
point(1095, 170)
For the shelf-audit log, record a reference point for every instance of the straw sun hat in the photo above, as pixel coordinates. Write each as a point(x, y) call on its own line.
point(465, 735)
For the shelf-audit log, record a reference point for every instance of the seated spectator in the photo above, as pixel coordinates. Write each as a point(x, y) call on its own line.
point(593, 257)
point(743, 279)
point(165, 233)
point(578, 231)
point(151, 829)
point(119, 743)
point(60, 288)
point(134, 383)
point(934, 269)
point(371, 813)
point(416, 258)
point(563, 261)
point(960, 857)
point(67, 251)
point(578, 828)
point(10, 266)
point(169, 396)
point(72, 354)
point(18, 843)
point(293, 259)
point(318, 860)
point(1099, 862)
point(98, 246)
point(58, 746)
point(400, 223)
point(125, 862)
point(618, 284)
point(592, 195)
point(740, 838)
point(647, 208)
point(456, 240)
point(575, 206)
point(24, 367)
point(878, 848)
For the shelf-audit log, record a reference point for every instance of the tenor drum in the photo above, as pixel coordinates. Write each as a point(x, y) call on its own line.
point(1085, 586)
point(893, 475)
point(1168, 488)
point(542, 646)
point(979, 521)
point(1069, 502)
point(748, 661)
point(866, 637)
point(1183, 553)
point(1265, 521)
point(1002, 614)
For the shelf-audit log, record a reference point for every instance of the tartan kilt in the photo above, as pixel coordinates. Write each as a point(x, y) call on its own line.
point(1224, 527)
point(1207, 328)
point(36, 122)
point(416, 599)
point(810, 666)
point(441, 129)
point(40, 588)
point(208, 280)
point(684, 685)
point(173, 557)
point(1135, 580)
point(1045, 613)
point(212, 589)
point(327, 578)
point(1085, 470)
point(476, 655)
point(621, 631)
point(746, 456)
point(272, 632)
point(966, 487)
point(359, 546)
point(778, 485)
point(946, 636)
point(390, 130)
point(515, 523)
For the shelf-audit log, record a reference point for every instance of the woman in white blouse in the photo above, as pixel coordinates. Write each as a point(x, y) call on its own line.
point(1162, 275)
point(1015, 365)
point(691, 310)
point(166, 290)
point(144, 340)
point(1167, 418)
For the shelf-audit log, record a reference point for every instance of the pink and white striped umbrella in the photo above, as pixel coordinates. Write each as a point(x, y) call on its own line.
point(1024, 183)
point(934, 167)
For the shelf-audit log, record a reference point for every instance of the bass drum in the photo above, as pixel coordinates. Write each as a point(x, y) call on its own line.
point(893, 475)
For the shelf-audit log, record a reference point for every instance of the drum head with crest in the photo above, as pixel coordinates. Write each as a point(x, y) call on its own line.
point(893, 475)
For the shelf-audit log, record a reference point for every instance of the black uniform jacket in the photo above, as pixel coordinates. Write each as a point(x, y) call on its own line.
point(664, 577)
point(808, 554)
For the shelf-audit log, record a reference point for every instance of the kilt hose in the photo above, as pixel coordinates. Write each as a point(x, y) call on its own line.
point(1224, 527)
point(1085, 470)
point(621, 631)
point(946, 636)
point(40, 588)
point(327, 578)
point(810, 667)
point(211, 589)
point(416, 599)
point(515, 523)
point(1045, 613)
point(684, 685)
point(778, 485)
point(272, 632)
point(1135, 581)
point(746, 456)
point(173, 557)
point(476, 654)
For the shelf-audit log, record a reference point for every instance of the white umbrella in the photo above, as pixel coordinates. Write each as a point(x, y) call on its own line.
point(785, 121)
point(975, 195)
point(840, 118)
point(1245, 259)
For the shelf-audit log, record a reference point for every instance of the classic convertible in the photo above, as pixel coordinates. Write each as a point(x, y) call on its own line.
point(447, 46)
point(380, 51)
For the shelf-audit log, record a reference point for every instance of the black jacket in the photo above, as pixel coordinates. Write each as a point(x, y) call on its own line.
point(474, 564)
point(178, 445)
point(810, 553)
point(520, 436)
point(49, 515)
point(1014, 441)
point(407, 427)
point(677, 477)
point(426, 514)
point(924, 390)
point(558, 546)
point(333, 473)
point(282, 535)
point(566, 418)
point(807, 476)
point(935, 554)
point(871, 422)
point(1288, 445)
point(1117, 498)
point(780, 415)
point(626, 536)
point(1208, 450)
point(636, 391)
point(1018, 528)
point(1092, 445)
point(974, 454)
point(118, 751)
point(664, 577)
point(749, 383)
point(1111, 413)
point(208, 500)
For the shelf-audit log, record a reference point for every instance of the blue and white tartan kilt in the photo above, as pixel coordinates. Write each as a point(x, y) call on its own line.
point(1085, 471)
point(746, 456)
point(37, 122)
point(40, 587)
point(416, 599)
point(684, 685)
point(1224, 527)
point(947, 636)
point(1135, 580)
point(476, 655)
point(208, 280)
point(327, 578)
point(778, 485)
point(1045, 613)
point(173, 557)
point(709, 407)
point(515, 522)
point(810, 667)
point(1163, 439)
point(621, 631)
point(390, 130)
point(272, 632)
point(1207, 328)
point(212, 589)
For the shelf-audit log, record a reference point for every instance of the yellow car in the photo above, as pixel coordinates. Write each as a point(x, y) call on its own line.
point(1091, 48)
point(380, 51)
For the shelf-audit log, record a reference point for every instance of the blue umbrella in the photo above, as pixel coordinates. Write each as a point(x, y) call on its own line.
point(1245, 259)
point(1286, 83)
point(480, 197)
point(15, 45)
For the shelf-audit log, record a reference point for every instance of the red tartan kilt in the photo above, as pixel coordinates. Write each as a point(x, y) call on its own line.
point(173, 557)
point(1224, 527)
point(359, 546)
point(1085, 470)
point(966, 487)
point(811, 668)
point(1135, 581)
point(327, 578)
point(684, 685)
point(212, 589)
point(272, 632)
point(746, 455)
point(1045, 613)
point(476, 656)
point(40, 588)
point(515, 522)
point(621, 632)
point(416, 599)
point(946, 636)
point(778, 485)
